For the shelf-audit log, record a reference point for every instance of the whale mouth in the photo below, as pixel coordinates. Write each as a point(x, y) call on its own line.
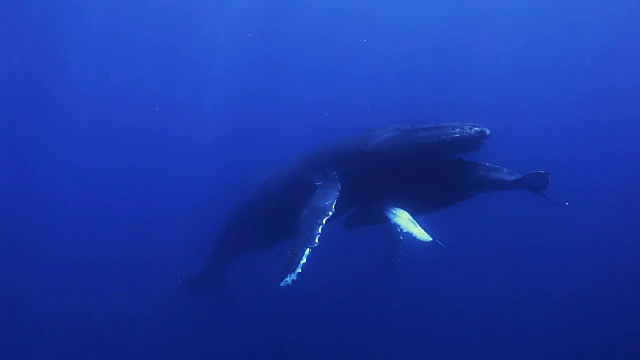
point(484, 134)
point(477, 131)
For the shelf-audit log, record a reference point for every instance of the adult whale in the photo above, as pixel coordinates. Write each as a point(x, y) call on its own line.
point(365, 174)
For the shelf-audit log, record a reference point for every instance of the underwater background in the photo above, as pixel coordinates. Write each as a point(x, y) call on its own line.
point(130, 130)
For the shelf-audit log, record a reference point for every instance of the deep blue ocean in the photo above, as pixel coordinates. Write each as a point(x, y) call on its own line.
point(131, 130)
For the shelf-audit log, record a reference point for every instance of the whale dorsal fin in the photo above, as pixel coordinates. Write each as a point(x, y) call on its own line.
point(315, 214)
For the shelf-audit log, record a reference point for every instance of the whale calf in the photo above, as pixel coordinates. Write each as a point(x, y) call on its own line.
point(383, 176)
point(421, 186)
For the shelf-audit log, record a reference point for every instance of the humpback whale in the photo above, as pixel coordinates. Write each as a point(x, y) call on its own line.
point(421, 186)
point(384, 176)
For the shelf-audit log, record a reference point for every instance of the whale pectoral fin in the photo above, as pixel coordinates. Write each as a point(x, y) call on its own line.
point(314, 216)
point(404, 223)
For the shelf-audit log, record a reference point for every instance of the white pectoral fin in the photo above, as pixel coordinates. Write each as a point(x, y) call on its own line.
point(405, 223)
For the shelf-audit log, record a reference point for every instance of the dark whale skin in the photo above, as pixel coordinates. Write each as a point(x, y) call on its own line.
point(271, 214)
point(420, 186)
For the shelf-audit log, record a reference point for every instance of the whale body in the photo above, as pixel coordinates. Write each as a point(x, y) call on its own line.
point(413, 168)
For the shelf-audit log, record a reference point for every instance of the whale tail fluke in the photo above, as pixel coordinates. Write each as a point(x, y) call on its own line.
point(535, 182)
point(198, 289)
point(204, 283)
point(210, 280)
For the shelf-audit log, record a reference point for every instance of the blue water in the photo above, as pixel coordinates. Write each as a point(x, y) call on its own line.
point(130, 129)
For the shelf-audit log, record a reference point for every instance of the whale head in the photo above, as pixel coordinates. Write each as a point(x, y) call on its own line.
point(432, 141)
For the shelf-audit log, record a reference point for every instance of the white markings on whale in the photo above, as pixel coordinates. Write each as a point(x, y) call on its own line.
point(313, 218)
